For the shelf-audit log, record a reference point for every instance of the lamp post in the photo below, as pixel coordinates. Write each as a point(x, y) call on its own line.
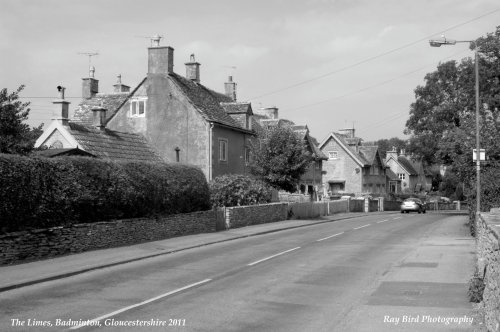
point(444, 41)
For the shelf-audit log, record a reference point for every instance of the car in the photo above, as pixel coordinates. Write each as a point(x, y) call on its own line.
point(412, 204)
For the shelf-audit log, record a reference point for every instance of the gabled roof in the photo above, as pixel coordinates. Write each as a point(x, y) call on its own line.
point(370, 153)
point(341, 140)
point(208, 102)
point(113, 145)
point(407, 165)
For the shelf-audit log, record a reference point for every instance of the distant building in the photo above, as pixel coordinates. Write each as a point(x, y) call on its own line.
point(412, 173)
point(352, 167)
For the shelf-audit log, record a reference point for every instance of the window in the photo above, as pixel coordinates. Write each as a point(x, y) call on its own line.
point(318, 164)
point(222, 149)
point(138, 107)
point(401, 176)
point(247, 156)
point(333, 155)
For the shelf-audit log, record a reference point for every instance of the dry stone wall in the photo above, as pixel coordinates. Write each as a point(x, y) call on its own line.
point(36, 244)
point(488, 254)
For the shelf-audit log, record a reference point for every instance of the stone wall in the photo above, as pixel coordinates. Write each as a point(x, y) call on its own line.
point(44, 243)
point(488, 254)
point(241, 216)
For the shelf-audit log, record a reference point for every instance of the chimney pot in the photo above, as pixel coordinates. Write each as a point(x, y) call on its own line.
point(90, 86)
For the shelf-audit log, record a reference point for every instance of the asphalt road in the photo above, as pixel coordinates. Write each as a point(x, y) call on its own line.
point(337, 276)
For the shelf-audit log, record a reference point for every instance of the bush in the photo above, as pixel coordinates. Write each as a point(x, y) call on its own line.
point(41, 192)
point(237, 190)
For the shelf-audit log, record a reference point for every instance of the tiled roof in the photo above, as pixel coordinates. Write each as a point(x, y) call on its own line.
point(113, 145)
point(343, 139)
point(391, 175)
point(111, 102)
point(208, 102)
point(403, 161)
point(368, 152)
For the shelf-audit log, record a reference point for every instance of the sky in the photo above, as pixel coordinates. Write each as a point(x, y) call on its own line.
point(329, 64)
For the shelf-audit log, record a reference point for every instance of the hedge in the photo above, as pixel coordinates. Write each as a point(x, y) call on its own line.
point(236, 190)
point(41, 192)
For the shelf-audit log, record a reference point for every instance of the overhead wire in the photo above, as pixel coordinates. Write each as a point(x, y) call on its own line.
point(373, 57)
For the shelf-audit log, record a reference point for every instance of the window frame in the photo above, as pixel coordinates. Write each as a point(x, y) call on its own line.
point(223, 149)
point(135, 106)
point(334, 153)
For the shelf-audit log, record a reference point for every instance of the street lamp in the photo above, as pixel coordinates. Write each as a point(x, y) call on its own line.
point(444, 41)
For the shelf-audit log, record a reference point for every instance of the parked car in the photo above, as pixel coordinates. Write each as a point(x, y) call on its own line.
point(412, 204)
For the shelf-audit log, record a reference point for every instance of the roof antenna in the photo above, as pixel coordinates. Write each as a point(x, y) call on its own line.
point(90, 55)
point(155, 40)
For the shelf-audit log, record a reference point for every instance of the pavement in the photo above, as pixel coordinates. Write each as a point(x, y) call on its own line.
point(25, 274)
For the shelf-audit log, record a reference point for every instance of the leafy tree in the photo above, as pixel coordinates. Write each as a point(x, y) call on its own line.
point(280, 158)
point(16, 137)
point(442, 121)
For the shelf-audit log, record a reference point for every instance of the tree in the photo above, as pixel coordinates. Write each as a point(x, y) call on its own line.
point(442, 121)
point(16, 137)
point(279, 158)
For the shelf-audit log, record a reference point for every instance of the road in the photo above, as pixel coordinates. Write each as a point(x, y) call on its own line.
point(374, 273)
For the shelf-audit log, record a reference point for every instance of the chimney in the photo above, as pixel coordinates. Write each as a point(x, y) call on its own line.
point(90, 86)
point(193, 70)
point(393, 153)
point(230, 88)
point(60, 112)
point(268, 112)
point(349, 132)
point(99, 117)
point(160, 59)
point(119, 87)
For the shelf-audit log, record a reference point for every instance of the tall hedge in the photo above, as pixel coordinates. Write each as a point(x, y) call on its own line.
point(235, 190)
point(41, 192)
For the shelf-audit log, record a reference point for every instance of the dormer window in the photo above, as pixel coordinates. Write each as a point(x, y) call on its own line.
point(138, 107)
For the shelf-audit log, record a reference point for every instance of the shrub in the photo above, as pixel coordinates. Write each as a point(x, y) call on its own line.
point(236, 190)
point(41, 192)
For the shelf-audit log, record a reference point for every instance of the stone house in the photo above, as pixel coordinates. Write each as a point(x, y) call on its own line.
point(412, 173)
point(352, 167)
point(177, 118)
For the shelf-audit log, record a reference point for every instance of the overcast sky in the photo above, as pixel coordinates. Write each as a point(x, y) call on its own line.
point(329, 64)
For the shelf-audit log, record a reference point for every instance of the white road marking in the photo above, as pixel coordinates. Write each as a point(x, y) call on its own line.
point(114, 313)
point(328, 237)
point(378, 222)
point(362, 226)
point(267, 258)
point(396, 218)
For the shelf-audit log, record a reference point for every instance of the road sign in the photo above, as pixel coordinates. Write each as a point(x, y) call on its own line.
point(482, 155)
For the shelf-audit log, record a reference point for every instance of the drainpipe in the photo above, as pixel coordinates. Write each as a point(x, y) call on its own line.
point(210, 151)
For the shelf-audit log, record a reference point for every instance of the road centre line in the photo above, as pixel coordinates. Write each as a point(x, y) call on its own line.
point(378, 222)
point(362, 226)
point(396, 218)
point(267, 258)
point(114, 313)
point(328, 237)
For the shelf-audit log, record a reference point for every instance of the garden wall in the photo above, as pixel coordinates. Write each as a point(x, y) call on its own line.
point(50, 242)
point(488, 254)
